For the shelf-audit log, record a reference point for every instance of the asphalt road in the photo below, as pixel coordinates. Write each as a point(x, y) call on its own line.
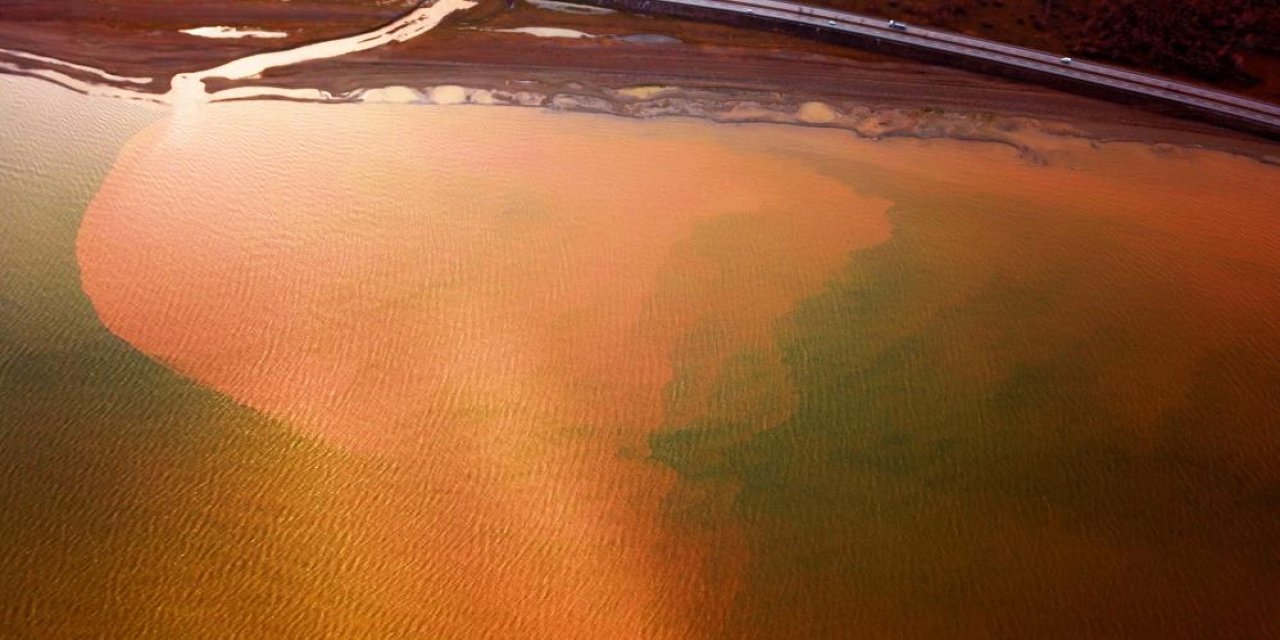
point(1255, 115)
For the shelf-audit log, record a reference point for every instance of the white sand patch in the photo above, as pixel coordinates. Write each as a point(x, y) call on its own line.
point(481, 96)
point(254, 93)
point(546, 32)
point(394, 94)
point(232, 32)
point(447, 94)
point(816, 113)
point(645, 92)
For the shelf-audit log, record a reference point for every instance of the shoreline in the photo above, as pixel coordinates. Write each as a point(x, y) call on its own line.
point(648, 68)
point(1023, 133)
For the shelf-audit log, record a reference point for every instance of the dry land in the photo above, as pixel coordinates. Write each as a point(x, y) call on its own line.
point(688, 68)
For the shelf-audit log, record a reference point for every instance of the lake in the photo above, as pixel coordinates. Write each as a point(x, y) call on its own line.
point(373, 370)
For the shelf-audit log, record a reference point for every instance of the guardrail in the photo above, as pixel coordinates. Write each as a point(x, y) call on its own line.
point(932, 45)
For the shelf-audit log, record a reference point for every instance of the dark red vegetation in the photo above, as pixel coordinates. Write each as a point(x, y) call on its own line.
point(1235, 43)
point(1210, 39)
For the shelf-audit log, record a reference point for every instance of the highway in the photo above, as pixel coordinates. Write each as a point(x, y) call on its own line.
point(1220, 106)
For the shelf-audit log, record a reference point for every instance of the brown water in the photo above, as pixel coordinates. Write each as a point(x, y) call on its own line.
point(379, 370)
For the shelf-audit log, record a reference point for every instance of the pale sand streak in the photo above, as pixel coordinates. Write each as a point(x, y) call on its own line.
point(71, 65)
point(79, 86)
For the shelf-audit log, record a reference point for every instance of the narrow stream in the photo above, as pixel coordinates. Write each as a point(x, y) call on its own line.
point(188, 89)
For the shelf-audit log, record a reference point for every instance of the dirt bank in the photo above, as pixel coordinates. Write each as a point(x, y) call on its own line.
point(708, 70)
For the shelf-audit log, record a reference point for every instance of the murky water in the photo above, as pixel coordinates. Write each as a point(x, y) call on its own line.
point(368, 370)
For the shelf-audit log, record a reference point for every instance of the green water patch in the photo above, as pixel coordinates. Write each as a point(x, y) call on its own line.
point(1011, 421)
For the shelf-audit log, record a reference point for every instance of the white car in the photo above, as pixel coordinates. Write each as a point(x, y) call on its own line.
point(894, 24)
point(1065, 60)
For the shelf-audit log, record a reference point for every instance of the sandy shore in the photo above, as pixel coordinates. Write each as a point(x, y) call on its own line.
point(632, 66)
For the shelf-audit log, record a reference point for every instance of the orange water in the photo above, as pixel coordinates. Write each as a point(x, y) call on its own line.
point(478, 372)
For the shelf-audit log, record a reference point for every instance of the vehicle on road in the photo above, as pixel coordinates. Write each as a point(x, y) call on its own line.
point(1065, 60)
point(831, 23)
point(894, 24)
